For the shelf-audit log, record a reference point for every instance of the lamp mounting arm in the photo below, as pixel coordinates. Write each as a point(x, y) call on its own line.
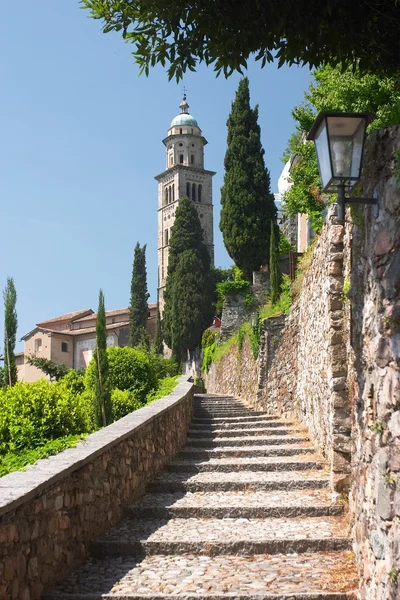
point(342, 200)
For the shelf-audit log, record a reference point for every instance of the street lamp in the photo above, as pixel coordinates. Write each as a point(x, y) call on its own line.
point(339, 143)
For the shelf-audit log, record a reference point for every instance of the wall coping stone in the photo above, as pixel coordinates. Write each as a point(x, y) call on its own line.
point(20, 486)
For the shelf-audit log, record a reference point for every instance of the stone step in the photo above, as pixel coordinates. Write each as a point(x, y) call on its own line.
point(224, 411)
point(240, 481)
point(231, 465)
point(245, 441)
point(246, 432)
point(317, 576)
point(223, 536)
point(247, 505)
point(253, 425)
point(243, 452)
point(237, 420)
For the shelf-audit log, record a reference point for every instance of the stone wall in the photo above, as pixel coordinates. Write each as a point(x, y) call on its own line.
point(337, 364)
point(308, 376)
point(238, 373)
point(52, 511)
point(372, 262)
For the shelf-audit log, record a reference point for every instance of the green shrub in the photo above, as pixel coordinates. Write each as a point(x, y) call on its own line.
point(33, 413)
point(209, 338)
point(233, 287)
point(208, 356)
point(123, 402)
point(163, 367)
point(166, 387)
point(129, 369)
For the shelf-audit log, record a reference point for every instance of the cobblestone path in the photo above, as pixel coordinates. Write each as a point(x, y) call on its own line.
point(243, 513)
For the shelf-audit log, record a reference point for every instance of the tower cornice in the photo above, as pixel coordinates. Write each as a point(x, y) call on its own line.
point(169, 138)
point(189, 169)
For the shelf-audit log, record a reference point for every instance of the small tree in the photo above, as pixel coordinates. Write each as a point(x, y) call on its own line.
point(158, 340)
point(248, 205)
point(138, 307)
point(102, 389)
point(55, 371)
point(10, 331)
point(274, 273)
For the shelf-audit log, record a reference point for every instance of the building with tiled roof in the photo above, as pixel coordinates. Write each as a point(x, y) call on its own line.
point(71, 338)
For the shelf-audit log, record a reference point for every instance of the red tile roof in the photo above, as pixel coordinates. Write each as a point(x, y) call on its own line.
point(109, 313)
point(72, 316)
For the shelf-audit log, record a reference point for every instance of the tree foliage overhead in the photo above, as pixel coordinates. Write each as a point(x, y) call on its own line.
point(186, 317)
point(138, 307)
point(10, 331)
point(225, 33)
point(334, 90)
point(248, 206)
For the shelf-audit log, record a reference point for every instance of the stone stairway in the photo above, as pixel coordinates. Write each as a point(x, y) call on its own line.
point(243, 513)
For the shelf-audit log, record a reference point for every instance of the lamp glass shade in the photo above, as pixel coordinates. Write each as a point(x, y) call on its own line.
point(339, 141)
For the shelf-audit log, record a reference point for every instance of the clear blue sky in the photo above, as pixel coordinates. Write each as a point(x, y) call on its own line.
point(81, 142)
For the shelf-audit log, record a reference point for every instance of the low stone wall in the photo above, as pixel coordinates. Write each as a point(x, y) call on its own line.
point(373, 316)
point(51, 512)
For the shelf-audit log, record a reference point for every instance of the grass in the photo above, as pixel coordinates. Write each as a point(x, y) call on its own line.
point(223, 348)
point(18, 460)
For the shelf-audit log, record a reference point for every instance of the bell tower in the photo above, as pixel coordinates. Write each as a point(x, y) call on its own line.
point(184, 175)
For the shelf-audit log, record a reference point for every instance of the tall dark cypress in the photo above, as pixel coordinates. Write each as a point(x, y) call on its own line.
point(247, 202)
point(138, 307)
point(196, 309)
point(274, 273)
point(10, 332)
point(158, 340)
point(102, 387)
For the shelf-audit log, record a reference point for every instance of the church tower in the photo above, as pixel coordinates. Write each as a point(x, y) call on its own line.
point(185, 175)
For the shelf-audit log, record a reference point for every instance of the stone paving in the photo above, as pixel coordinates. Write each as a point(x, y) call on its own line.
point(241, 521)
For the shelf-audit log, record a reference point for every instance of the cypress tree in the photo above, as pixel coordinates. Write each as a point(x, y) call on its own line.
point(247, 203)
point(10, 332)
point(189, 304)
point(186, 236)
point(158, 340)
point(138, 307)
point(102, 388)
point(274, 273)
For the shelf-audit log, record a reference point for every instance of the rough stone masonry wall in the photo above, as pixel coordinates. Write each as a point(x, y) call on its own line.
point(373, 267)
point(52, 511)
point(308, 375)
point(238, 373)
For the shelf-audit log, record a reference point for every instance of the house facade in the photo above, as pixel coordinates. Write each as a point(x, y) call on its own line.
point(71, 339)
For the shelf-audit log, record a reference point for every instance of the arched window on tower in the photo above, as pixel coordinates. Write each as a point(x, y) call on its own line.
point(192, 159)
point(171, 160)
point(166, 196)
point(194, 192)
point(173, 192)
point(188, 189)
point(166, 237)
point(169, 195)
point(181, 159)
point(199, 190)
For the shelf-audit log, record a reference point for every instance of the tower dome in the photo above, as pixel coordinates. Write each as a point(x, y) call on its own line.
point(184, 118)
